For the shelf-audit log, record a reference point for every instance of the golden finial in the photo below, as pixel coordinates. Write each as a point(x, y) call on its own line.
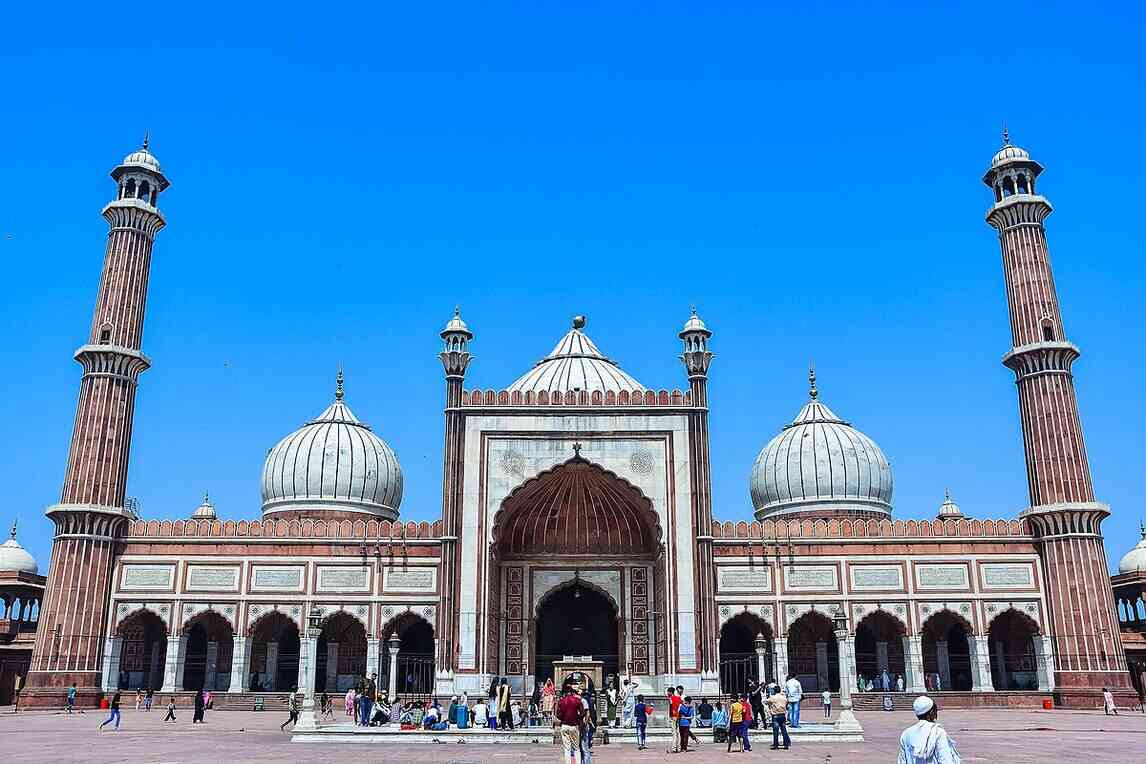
point(338, 384)
point(812, 379)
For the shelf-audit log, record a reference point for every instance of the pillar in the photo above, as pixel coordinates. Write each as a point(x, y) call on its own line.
point(781, 648)
point(173, 669)
point(372, 655)
point(913, 665)
point(394, 643)
point(980, 665)
point(272, 682)
point(1001, 661)
point(761, 666)
point(845, 644)
point(944, 664)
point(111, 657)
point(307, 671)
point(1044, 654)
point(211, 670)
point(823, 680)
point(240, 664)
point(332, 666)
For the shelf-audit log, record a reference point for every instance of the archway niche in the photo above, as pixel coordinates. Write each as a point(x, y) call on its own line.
point(341, 661)
point(274, 654)
point(1010, 641)
point(415, 655)
point(739, 663)
point(879, 648)
point(576, 619)
point(813, 654)
point(947, 652)
point(210, 642)
point(143, 651)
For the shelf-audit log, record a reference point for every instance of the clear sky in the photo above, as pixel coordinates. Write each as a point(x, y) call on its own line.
point(342, 177)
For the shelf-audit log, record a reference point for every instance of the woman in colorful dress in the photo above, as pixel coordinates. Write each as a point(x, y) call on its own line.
point(548, 699)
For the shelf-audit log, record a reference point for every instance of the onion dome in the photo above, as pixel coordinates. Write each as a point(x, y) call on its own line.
point(15, 558)
point(333, 466)
point(694, 324)
point(949, 509)
point(1134, 561)
point(576, 364)
point(819, 465)
point(457, 326)
point(205, 511)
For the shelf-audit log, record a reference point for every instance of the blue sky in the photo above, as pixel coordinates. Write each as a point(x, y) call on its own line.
point(342, 177)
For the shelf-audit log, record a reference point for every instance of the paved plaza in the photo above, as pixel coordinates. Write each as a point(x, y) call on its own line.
point(1010, 736)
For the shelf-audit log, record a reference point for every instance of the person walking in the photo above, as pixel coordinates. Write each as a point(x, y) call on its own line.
point(170, 710)
point(674, 701)
point(778, 709)
point(200, 707)
point(926, 742)
point(641, 713)
point(292, 710)
point(588, 722)
point(684, 714)
point(748, 723)
point(795, 692)
point(71, 699)
point(138, 699)
point(113, 712)
point(1108, 706)
point(148, 699)
point(504, 709)
point(351, 701)
point(570, 713)
point(366, 699)
point(826, 697)
point(735, 721)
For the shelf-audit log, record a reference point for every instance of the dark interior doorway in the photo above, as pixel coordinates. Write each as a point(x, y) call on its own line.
point(576, 620)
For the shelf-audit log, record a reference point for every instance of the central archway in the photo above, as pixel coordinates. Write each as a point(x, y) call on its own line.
point(576, 620)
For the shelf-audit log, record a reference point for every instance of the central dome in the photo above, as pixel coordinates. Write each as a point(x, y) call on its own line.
point(333, 466)
point(819, 465)
point(576, 364)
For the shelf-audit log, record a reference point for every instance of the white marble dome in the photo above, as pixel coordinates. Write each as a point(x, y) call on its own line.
point(820, 465)
point(332, 466)
point(1008, 153)
point(1134, 561)
point(575, 364)
point(15, 558)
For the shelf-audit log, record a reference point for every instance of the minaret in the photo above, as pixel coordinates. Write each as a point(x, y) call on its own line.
point(696, 358)
point(1063, 513)
point(455, 358)
point(91, 515)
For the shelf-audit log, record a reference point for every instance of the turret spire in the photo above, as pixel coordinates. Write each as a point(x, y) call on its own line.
point(338, 392)
point(812, 392)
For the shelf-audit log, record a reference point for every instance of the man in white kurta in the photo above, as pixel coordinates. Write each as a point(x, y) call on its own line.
point(926, 742)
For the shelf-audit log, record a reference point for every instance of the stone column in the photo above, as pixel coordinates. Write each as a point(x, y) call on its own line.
point(1044, 655)
point(332, 666)
point(1001, 660)
point(780, 647)
point(980, 665)
point(173, 670)
point(211, 670)
point(307, 670)
point(111, 657)
point(944, 663)
point(761, 666)
point(240, 664)
point(913, 665)
point(372, 645)
point(845, 644)
point(393, 643)
point(822, 675)
point(272, 682)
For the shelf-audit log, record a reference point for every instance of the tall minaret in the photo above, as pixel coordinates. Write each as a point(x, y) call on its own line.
point(91, 515)
point(697, 357)
point(1063, 513)
point(455, 358)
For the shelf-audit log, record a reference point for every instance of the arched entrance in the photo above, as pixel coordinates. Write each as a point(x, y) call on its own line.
point(947, 652)
point(576, 620)
point(1010, 641)
point(879, 649)
point(739, 663)
point(415, 668)
point(274, 654)
point(143, 650)
point(813, 655)
point(210, 641)
point(341, 660)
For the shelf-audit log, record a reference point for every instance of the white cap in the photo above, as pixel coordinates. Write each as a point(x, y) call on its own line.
point(922, 705)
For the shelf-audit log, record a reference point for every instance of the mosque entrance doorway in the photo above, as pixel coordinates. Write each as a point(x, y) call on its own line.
point(576, 620)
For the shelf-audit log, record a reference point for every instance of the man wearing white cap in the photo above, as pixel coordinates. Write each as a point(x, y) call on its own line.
point(925, 742)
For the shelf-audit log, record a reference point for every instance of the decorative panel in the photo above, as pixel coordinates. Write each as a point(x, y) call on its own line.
point(148, 577)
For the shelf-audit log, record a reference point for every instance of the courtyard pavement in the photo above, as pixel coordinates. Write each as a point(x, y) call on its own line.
point(1010, 736)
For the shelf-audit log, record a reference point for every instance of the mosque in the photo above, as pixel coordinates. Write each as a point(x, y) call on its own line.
point(577, 526)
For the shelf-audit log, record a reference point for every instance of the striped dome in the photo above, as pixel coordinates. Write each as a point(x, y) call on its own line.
point(333, 466)
point(575, 364)
point(820, 465)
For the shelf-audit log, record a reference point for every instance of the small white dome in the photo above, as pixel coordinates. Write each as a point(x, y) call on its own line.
point(949, 508)
point(15, 558)
point(576, 364)
point(1134, 561)
point(820, 464)
point(332, 464)
point(205, 511)
point(457, 326)
point(694, 324)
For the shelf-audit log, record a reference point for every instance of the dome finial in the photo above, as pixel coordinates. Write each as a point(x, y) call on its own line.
point(579, 322)
point(812, 379)
point(1006, 134)
point(14, 521)
point(146, 140)
point(457, 311)
point(338, 384)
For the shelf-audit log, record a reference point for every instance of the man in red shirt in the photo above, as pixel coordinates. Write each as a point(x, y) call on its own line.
point(675, 696)
point(570, 712)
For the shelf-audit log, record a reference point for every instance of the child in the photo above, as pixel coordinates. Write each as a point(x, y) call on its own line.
point(827, 698)
point(170, 710)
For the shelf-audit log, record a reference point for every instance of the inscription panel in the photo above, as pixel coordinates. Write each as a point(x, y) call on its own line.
point(871, 577)
point(811, 577)
point(343, 578)
point(276, 579)
point(939, 576)
point(212, 578)
point(1008, 576)
point(742, 579)
point(149, 577)
point(409, 580)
